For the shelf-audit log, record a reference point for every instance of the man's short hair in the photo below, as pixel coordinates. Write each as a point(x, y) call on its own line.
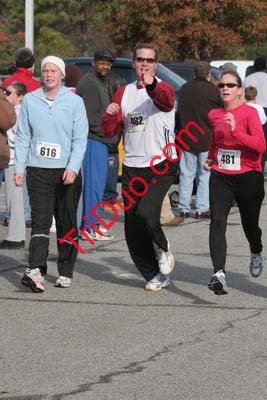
point(250, 93)
point(202, 69)
point(260, 64)
point(150, 46)
point(24, 57)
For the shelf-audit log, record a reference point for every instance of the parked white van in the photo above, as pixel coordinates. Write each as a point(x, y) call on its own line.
point(242, 66)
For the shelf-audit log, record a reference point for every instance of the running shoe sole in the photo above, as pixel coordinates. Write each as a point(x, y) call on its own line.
point(62, 285)
point(100, 239)
point(217, 287)
point(36, 287)
point(156, 289)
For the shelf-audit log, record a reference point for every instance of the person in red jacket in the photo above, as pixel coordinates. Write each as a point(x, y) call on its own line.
point(23, 74)
point(235, 152)
point(24, 70)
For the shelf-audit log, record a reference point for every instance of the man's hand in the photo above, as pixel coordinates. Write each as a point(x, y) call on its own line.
point(113, 109)
point(18, 179)
point(68, 177)
point(146, 79)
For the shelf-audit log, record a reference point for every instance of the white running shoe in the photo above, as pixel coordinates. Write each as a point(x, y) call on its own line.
point(63, 281)
point(158, 282)
point(256, 265)
point(217, 283)
point(93, 235)
point(165, 259)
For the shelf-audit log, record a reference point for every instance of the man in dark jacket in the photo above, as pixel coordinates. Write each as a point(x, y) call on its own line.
point(197, 98)
point(96, 89)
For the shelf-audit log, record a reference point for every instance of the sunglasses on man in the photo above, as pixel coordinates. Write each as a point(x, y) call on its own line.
point(148, 60)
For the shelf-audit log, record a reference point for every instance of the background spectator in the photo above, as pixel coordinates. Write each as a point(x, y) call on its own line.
point(24, 70)
point(72, 77)
point(14, 194)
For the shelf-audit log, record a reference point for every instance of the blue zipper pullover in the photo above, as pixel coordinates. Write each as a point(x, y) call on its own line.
point(63, 123)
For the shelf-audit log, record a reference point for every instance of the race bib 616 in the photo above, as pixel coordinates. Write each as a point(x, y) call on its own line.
point(48, 150)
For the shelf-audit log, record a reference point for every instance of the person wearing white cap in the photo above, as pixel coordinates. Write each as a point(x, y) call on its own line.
point(51, 141)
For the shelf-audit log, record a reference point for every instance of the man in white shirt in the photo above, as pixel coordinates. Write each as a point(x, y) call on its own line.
point(259, 80)
point(144, 112)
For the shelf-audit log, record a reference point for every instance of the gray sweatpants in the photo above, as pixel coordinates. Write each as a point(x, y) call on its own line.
point(14, 195)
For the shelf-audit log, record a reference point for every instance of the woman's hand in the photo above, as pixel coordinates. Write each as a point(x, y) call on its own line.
point(230, 120)
point(208, 164)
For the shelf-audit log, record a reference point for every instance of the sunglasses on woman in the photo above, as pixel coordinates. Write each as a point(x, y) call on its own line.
point(6, 92)
point(229, 85)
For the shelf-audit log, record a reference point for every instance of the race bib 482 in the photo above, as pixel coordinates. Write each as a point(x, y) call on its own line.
point(137, 121)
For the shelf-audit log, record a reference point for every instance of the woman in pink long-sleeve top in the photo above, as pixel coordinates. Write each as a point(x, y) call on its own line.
point(234, 158)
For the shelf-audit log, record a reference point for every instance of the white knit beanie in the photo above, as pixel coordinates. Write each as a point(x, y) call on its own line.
point(54, 60)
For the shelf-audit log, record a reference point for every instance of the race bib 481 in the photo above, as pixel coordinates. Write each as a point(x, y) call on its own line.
point(229, 159)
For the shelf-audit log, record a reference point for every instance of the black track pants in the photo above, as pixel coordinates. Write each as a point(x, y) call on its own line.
point(142, 220)
point(48, 197)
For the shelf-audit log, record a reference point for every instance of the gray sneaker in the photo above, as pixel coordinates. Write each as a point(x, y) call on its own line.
point(217, 283)
point(158, 282)
point(256, 265)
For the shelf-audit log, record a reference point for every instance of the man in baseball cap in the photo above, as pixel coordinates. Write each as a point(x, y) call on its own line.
point(97, 89)
point(103, 55)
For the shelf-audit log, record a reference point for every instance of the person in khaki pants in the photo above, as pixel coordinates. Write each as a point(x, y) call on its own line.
point(167, 217)
point(14, 195)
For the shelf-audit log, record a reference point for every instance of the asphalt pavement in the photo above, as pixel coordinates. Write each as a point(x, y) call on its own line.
point(105, 338)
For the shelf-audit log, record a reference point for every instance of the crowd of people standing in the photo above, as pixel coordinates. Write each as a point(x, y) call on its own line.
point(65, 146)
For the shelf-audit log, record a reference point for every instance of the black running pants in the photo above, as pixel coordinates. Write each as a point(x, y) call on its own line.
point(142, 220)
point(248, 191)
point(49, 196)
